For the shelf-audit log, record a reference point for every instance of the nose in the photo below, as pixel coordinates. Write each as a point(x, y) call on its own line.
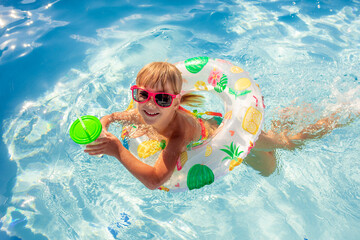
point(151, 102)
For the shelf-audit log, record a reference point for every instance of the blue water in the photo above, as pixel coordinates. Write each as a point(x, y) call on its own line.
point(62, 57)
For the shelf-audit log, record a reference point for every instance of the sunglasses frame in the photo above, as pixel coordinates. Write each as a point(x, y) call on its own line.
point(153, 94)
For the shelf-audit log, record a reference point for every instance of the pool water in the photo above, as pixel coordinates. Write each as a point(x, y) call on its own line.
point(63, 58)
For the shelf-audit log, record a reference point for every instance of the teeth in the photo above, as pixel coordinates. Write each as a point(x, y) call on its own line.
point(152, 114)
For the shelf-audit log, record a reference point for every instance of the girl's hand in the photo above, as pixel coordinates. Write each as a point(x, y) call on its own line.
point(107, 144)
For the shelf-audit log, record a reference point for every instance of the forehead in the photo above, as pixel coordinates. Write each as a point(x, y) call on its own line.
point(159, 87)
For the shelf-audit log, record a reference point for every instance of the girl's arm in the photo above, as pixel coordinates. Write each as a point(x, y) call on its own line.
point(151, 176)
point(128, 116)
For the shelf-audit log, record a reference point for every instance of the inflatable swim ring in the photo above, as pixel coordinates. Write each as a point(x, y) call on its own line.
point(235, 137)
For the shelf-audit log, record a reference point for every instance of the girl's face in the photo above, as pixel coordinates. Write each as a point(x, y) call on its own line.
point(152, 113)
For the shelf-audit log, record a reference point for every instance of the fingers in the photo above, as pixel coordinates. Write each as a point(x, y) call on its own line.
point(104, 145)
point(96, 151)
point(96, 147)
point(100, 140)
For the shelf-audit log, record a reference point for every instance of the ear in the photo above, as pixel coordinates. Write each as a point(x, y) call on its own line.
point(177, 103)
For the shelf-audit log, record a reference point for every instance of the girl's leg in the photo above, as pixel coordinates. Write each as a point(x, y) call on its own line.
point(288, 140)
point(320, 128)
point(262, 157)
point(264, 162)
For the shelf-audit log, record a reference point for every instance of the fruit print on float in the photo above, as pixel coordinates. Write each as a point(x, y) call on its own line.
point(252, 120)
point(208, 151)
point(236, 69)
point(198, 176)
point(195, 65)
point(228, 115)
point(148, 148)
point(182, 160)
point(201, 86)
point(233, 155)
point(242, 84)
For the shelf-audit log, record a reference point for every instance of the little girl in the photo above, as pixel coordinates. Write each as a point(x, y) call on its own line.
point(160, 116)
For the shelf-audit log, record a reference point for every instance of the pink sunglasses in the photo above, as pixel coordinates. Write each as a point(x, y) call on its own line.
point(161, 99)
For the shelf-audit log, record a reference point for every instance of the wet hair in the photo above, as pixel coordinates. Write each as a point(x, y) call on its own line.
point(162, 72)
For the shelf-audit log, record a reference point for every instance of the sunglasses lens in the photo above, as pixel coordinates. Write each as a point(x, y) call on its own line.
point(163, 100)
point(140, 95)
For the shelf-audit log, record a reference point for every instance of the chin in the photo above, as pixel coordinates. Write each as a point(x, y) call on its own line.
point(150, 119)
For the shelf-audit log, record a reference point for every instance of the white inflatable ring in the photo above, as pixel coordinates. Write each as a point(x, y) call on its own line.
point(235, 137)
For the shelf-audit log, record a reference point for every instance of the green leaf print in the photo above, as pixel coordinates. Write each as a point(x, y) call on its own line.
point(220, 87)
point(238, 93)
point(194, 65)
point(232, 151)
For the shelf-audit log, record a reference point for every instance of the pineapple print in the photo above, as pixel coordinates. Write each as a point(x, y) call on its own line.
point(148, 148)
point(233, 155)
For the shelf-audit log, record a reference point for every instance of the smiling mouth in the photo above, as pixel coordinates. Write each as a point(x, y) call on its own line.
point(151, 114)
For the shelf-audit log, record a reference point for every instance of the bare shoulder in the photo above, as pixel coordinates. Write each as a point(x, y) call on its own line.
point(186, 130)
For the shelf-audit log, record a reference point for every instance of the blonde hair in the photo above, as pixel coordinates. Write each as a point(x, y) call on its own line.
point(162, 72)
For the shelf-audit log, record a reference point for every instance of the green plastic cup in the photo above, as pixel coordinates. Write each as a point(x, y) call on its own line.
point(88, 135)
